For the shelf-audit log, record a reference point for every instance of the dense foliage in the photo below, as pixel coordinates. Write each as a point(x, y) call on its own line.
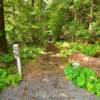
point(30, 21)
point(7, 79)
point(7, 59)
point(72, 24)
point(67, 48)
point(83, 77)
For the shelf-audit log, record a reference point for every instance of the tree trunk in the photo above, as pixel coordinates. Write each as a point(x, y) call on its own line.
point(91, 17)
point(3, 41)
point(33, 3)
point(90, 27)
point(75, 16)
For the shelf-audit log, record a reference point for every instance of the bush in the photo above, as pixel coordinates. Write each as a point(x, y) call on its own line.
point(89, 50)
point(7, 59)
point(30, 52)
point(67, 49)
point(83, 77)
point(7, 79)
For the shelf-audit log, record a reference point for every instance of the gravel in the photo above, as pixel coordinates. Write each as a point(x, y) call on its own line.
point(46, 87)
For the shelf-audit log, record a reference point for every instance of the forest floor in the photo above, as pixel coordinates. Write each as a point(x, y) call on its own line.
point(44, 80)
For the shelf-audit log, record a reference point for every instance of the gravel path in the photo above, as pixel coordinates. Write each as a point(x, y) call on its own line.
point(46, 87)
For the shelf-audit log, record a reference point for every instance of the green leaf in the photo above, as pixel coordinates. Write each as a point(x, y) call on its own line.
point(80, 80)
point(89, 73)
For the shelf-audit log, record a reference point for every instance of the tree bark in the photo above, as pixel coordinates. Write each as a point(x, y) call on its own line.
point(33, 3)
point(91, 17)
point(3, 41)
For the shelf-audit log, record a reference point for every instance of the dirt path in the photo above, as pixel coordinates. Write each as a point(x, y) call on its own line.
point(44, 80)
point(49, 86)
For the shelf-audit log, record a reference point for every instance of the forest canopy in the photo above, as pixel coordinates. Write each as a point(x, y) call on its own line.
point(31, 21)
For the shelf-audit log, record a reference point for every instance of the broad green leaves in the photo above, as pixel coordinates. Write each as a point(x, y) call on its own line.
point(80, 80)
point(7, 79)
point(7, 59)
point(83, 77)
point(25, 20)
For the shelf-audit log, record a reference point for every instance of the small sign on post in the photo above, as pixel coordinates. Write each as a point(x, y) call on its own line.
point(17, 57)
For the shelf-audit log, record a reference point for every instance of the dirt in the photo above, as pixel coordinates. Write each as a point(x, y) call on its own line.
point(88, 61)
point(48, 86)
point(44, 80)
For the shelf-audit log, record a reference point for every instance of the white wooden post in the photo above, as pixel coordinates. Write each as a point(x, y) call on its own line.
point(17, 57)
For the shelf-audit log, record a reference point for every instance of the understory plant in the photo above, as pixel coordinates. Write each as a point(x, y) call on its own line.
point(7, 79)
point(83, 77)
point(89, 50)
point(67, 49)
point(7, 59)
point(30, 52)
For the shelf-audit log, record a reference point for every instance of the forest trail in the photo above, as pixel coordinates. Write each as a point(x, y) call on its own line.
point(44, 80)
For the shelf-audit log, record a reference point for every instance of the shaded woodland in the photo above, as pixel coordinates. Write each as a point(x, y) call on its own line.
point(54, 36)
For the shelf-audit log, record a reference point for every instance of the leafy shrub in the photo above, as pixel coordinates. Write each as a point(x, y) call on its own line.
point(7, 59)
point(67, 49)
point(83, 77)
point(7, 79)
point(89, 50)
point(30, 52)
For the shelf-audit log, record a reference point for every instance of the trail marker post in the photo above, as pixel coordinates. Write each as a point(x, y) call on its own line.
point(17, 57)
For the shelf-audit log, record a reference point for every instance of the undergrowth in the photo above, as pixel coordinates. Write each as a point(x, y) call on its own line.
point(7, 79)
point(67, 49)
point(83, 77)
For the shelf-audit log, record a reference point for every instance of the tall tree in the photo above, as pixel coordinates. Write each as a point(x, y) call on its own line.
point(33, 3)
point(3, 41)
